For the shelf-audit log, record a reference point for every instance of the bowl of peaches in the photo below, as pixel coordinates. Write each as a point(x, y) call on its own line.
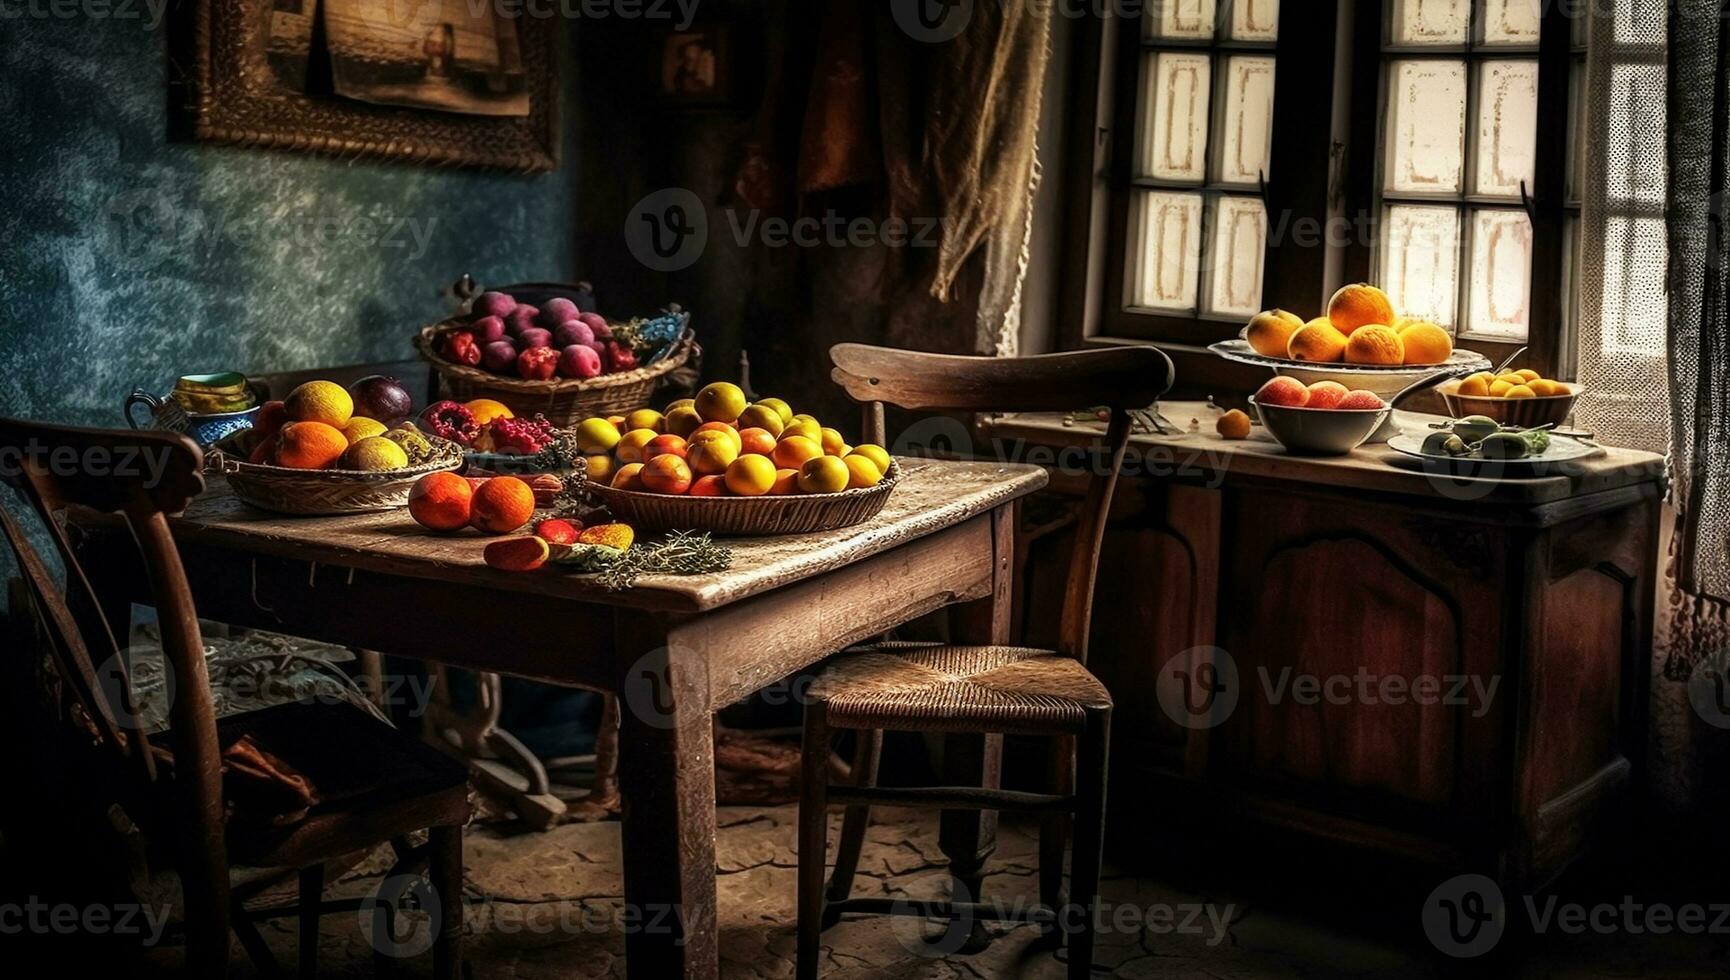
point(1324, 418)
point(1521, 398)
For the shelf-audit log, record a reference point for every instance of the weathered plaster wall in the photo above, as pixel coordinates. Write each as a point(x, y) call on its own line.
point(126, 259)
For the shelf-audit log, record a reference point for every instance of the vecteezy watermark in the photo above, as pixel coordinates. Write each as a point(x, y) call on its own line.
point(944, 436)
point(147, 463)
point(682, 13)
point(1709, 689)
point(147, 12)
point(146, 227)
point(402, 916)
point(669, 230)
point(42, 918)
point(1201, 687)
point(661, 684)
point(1467, 915)
point(1206, 920)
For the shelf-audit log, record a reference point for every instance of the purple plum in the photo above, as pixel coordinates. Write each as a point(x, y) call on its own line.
point(557, 311)
point(521, 318)
point(500, 356)
point(535, 337)
point(494, 304)
point(579, 361)
point(598, 324)
point(488, 329)
point(573, 332)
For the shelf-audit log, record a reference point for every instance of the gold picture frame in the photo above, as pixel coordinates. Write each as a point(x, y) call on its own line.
point(235, 89)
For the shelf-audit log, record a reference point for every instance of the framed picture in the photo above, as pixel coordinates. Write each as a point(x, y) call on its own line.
point(696, 67)
point(434, 81)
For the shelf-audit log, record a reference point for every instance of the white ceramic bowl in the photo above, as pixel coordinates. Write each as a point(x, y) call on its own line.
point(1321, 431)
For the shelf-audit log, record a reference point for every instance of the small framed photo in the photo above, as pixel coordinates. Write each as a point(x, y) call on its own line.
point(697, 68)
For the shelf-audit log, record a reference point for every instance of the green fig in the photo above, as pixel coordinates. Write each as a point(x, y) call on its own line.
point(1503, 445)
point(1472, 428)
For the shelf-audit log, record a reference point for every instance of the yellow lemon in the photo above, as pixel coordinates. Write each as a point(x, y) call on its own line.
point(374, 453)
point(861, 472)
point(319, 401)
point(360, 427)
point(874, 453)
point(824, 474)
point(644, 418)
point(681, 421)
point(720, 402)
point(781, 408)
point(750, 476)
point(597, 435)
point(761, 416)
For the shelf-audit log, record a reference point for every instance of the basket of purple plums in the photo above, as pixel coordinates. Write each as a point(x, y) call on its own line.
point(540, 348)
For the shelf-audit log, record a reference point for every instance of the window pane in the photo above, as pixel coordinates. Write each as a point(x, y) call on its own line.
point(1235, 256)
point(1634, 162)
point(1507, 126)
point(1164, 246)
point(1255, 20)
point(1430, 21)
point(1631, 319)
point(1185, 19)
point(1511, 21)
point(1420, 261)
point(1246, 120)
point(1426, 126)
point(1173, 118)
point(1501, 273)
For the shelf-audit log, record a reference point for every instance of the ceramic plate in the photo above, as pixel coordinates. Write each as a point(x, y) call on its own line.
point(1561, 450)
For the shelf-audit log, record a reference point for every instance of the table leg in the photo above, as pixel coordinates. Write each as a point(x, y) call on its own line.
point(667, 784)
point(969, 837)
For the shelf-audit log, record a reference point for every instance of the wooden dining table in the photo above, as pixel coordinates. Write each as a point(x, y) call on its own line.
point(675, 649)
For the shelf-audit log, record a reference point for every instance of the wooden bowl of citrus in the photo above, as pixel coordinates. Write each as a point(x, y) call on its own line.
point(1523, 398)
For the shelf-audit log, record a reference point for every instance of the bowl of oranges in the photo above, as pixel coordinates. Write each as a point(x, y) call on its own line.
point(721, 463)
point(1522, 398)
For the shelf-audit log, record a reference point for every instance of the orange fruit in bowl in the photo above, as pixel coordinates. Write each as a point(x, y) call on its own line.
point(679, 403)
point(1545, 388)
point(782, 409)
point(645, 418)
point(833, 443)
point(712, 452)
point(756, 442)
point(628, 477)
point(1359, 305)
point(804, 425)
point(631, 445)
point(730, 431)
point(440, 501)
point(1500, 388)
point(665, 444)
point(750, 476)
point(666, 474)
point(875, 453)
point(1269, 332)
point(861, 472)
point(486, 409)
point(501, 505)
point(1477, 385)
point(681, 421)
point(1375, 344)
point(1425, 343)
point(1317, 341)
point(824, 474)
point(720, 402)
point(309, 445)
point(792, 452)
point(786, 482)
point(319, 401)
point(1520, 391)
point(1528, 374)
point(760, 416)
point(713, 485)
point(599, 468)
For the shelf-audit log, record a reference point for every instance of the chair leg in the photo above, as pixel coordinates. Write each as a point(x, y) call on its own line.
point(813, 838)
point(445, 848)
point(1054, 835)
point(311, 899)
point(1084, 863)
point(856, 821)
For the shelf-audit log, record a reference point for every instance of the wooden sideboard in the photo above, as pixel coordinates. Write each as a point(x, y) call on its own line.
point(1452, 670)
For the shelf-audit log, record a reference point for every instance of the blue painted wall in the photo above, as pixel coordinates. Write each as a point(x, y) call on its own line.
point(129, 260)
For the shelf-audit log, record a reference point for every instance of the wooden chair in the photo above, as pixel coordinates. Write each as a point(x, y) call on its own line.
point(985, 690)
point(375, 784)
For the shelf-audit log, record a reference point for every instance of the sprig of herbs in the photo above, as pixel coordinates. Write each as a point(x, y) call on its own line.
point(681, 553)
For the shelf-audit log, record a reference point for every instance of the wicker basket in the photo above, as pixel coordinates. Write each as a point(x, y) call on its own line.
point(564, 402)
point(1527, 413)
point(324, 492)
point(747, 516)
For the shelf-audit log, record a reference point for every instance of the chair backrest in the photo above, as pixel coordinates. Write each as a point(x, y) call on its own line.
point(143, 477)
point(1120, 378)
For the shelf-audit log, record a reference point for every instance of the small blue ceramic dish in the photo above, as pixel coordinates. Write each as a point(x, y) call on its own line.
point(166, 413)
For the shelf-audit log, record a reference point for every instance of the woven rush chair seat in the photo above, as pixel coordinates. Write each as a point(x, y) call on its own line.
point(939, 687)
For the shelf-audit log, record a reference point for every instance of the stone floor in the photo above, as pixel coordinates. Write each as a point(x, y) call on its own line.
point(547, 906)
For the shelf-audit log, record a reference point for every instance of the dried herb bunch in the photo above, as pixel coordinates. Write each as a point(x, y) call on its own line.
point(680, 553)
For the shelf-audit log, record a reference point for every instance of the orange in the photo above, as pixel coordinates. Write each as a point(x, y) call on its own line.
point(720, 402)
point(681, 421)
point(1269, 333)
point(645, 418)
point(730, 431)
point(1359, 305)
point(861, 472)
point(1375, 344)
point(1233, 425)
point(665, 445)
point(804, 425)
point(319, 401)
point(712, 452)
point(1500, 388)
point(792, 452)
point(756, 442)
point(713, 485)
point(1545, 388)
point(833, 444)
point(762, 416)
point(440, 501)
point(666, 474)
point(1528, 375)
point(750, 476)
point(786, 482)
point(1520, 391)
point(781, 408)
point(1478, 385)
point(1317, 341)
point(824, 474)
point(874, 453)
point(600, 468)
point(309, 445)
point(501, 505)
point(486, 409)
point(628, 477)
point(631, 445)
point(1425, 343)
point(679, 403)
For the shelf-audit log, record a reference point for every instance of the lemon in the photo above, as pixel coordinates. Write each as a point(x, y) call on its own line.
point(875, 453)
point(319, 401)
point(861, 472)
point(824, 474)
point(720, 402)
point(750, 476)
point(781, 408)
point(760, 416)
point(597, 435)
point(361, 427)
point(681, 421)
point(644, 418)
point(374, 453)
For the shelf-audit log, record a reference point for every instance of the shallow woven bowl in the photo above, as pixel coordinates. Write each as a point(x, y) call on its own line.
point(564, 401)
point(324, 492)
point(1526, 413)
point(748, 516)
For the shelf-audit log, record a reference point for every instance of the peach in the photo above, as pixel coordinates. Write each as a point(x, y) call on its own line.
point(1325, 394)
point(523, 554)
point(1360, 399)
point(1283, 391)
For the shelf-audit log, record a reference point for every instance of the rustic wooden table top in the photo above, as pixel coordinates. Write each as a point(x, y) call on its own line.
point(932, 495)
point(1203, 456)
